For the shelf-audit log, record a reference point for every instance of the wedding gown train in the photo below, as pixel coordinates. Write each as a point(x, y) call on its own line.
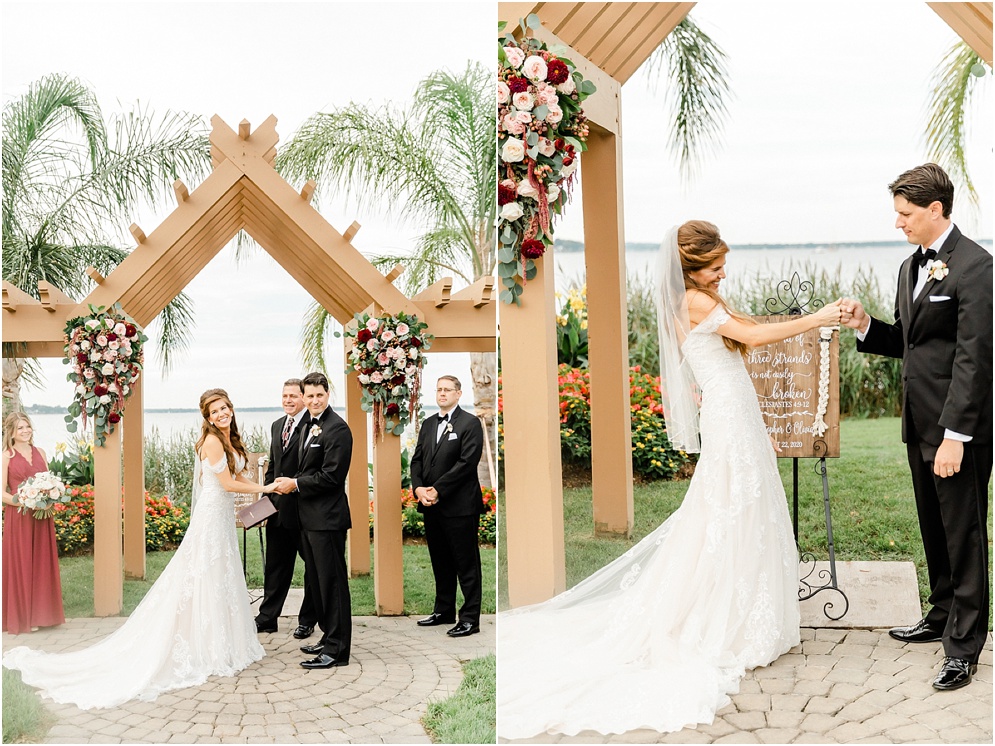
point(194, 622)
point(661, 637)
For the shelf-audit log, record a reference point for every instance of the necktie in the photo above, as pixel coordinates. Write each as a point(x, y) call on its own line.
point(287, 429)
point(922, 257)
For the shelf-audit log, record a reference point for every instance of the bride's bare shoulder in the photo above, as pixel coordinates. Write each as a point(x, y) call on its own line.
point(211, 448)
point(699, 306)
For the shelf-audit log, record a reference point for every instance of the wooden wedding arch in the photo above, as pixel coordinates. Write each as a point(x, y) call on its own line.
point(608, 42)
point(244, 192)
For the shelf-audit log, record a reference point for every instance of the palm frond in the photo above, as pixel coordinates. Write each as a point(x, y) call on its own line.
point(946, 128)
point(314, 331)
point(697, 95)
point(174, 328)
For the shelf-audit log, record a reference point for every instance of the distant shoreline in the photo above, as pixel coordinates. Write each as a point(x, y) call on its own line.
point(571, 247)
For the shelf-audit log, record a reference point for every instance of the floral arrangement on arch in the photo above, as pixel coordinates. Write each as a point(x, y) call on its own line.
point(388, 354)
point(105, 352)
point(541, 132)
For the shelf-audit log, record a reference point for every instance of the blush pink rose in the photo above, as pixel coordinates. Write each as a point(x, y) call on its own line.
point(535, 68)
point(523, 101)
point(515, 56)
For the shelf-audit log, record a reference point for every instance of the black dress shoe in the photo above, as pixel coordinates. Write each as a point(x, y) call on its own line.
point(921, 631)
point(303, 631)
point(954, 673)
point(463, 629)
point(265, 627)
point(435, 619)
point(324, 661)
point(312, 649)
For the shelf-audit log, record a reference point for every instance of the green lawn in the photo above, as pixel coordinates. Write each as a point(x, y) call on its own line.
point(469, 715)
point(25, 719)
point(419, 585)
point(873, 508)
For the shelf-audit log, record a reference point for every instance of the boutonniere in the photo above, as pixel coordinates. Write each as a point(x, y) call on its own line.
point(936, 270)
point(315, 431)
point(449, 427)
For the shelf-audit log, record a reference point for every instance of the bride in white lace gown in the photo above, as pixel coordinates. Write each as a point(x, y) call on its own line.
point(194, 622)
point(660, 637)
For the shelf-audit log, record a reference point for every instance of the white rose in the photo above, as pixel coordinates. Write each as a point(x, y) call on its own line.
point(402, 329)
point(512, 211)
point(101, 340)
point(552, 192)
point(92, 324)
point(119, 329)
point(372, 324)
point(399, 364)
point(534, 67)
point(555, 115)
point(567, 170)
point(85, 344)
point(108, 369)
point(512, 151)
point(95, 356)
point(397, 391)
point(546, 147)
point(525, 189)
point(113, 344)
point(364, 379)
point(105, 399)
point(567, 86)
point(413, 353)
point(504, 92)
point(524, 117)
point(515, 56)
point(81, 389)
point(523, 101)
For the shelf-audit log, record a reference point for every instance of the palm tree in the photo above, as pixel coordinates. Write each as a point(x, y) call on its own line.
point(695, 67)
point(69, 178)
point(954, 81)
point(431, 164)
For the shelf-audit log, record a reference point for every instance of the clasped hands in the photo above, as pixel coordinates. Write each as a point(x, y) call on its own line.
point(427, 496)
point(282, 486)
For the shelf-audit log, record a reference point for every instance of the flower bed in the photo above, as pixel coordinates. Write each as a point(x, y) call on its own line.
point(165, 522)
point(413, 523)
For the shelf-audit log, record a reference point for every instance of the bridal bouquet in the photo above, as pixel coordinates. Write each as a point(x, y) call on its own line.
point(38, 493)
point(388, 353)
point(105, 352)
point(541, 132)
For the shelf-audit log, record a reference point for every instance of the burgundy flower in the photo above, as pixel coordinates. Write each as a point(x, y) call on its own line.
point(130, 330)
point(557, 72)
point(415, 342)
point(100, 389)
point(81, 358)
point(364, 335)
point(567, 161)
point(518, 85)
point(114, 418)
point(392, 409)
point(111, 336)
point(506, 194)
point(397, 380)
point(533, 248)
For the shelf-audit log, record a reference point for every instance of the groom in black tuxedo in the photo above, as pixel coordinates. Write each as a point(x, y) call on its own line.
point(444, 479)
point(283, 531)
point(323, 511)
point(943, 333)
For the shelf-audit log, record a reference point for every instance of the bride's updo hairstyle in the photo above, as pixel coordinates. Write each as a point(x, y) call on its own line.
point(10, 427)
point(700, 246)
point(233, 443)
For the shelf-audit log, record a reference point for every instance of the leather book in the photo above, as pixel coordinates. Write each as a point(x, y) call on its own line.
point(254, 514)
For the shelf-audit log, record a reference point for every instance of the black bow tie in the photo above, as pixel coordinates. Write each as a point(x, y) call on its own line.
point(922, 257)
point(444, 418)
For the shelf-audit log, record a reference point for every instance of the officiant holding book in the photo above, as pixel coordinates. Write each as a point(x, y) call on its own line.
point(283, 533)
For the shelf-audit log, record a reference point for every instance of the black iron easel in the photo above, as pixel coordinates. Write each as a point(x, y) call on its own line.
point(788, 301)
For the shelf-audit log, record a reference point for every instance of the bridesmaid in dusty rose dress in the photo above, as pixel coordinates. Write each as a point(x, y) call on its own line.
point(32, 590)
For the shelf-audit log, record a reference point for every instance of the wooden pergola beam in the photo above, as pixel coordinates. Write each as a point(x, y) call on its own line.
point(972, 22)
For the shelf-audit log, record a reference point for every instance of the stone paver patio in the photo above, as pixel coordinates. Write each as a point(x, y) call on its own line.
point(840, 686)
point(397, 668)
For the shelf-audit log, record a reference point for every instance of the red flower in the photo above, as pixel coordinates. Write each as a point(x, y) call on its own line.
point(392, 409)
point(100, 389)
point(567, 161)
point(415, 342)
point(111, 337)
point(81, 358)
point(557, 72)
point(364, 336)
point(533, 248)
point(114, 418)
point(397, 380)
point(130, 330)
point(506, 194)
point(517, 85)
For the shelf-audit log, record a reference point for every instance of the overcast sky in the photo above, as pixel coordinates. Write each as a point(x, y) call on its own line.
point(827, 108)
point(246, 60)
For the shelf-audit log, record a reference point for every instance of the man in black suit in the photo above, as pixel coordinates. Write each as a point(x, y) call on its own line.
point(943, 333)
point(283, 531)
point(444, 479)
point(323, 511)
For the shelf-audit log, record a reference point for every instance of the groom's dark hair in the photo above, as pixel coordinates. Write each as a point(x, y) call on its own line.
point(316, 379)
point(924, 185)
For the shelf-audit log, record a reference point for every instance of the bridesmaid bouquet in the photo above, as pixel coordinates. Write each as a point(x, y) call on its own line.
point(38, 493)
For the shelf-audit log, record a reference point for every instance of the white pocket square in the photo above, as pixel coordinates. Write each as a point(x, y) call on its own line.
point(938, 298)
point(315, 445)
point(452, 436)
